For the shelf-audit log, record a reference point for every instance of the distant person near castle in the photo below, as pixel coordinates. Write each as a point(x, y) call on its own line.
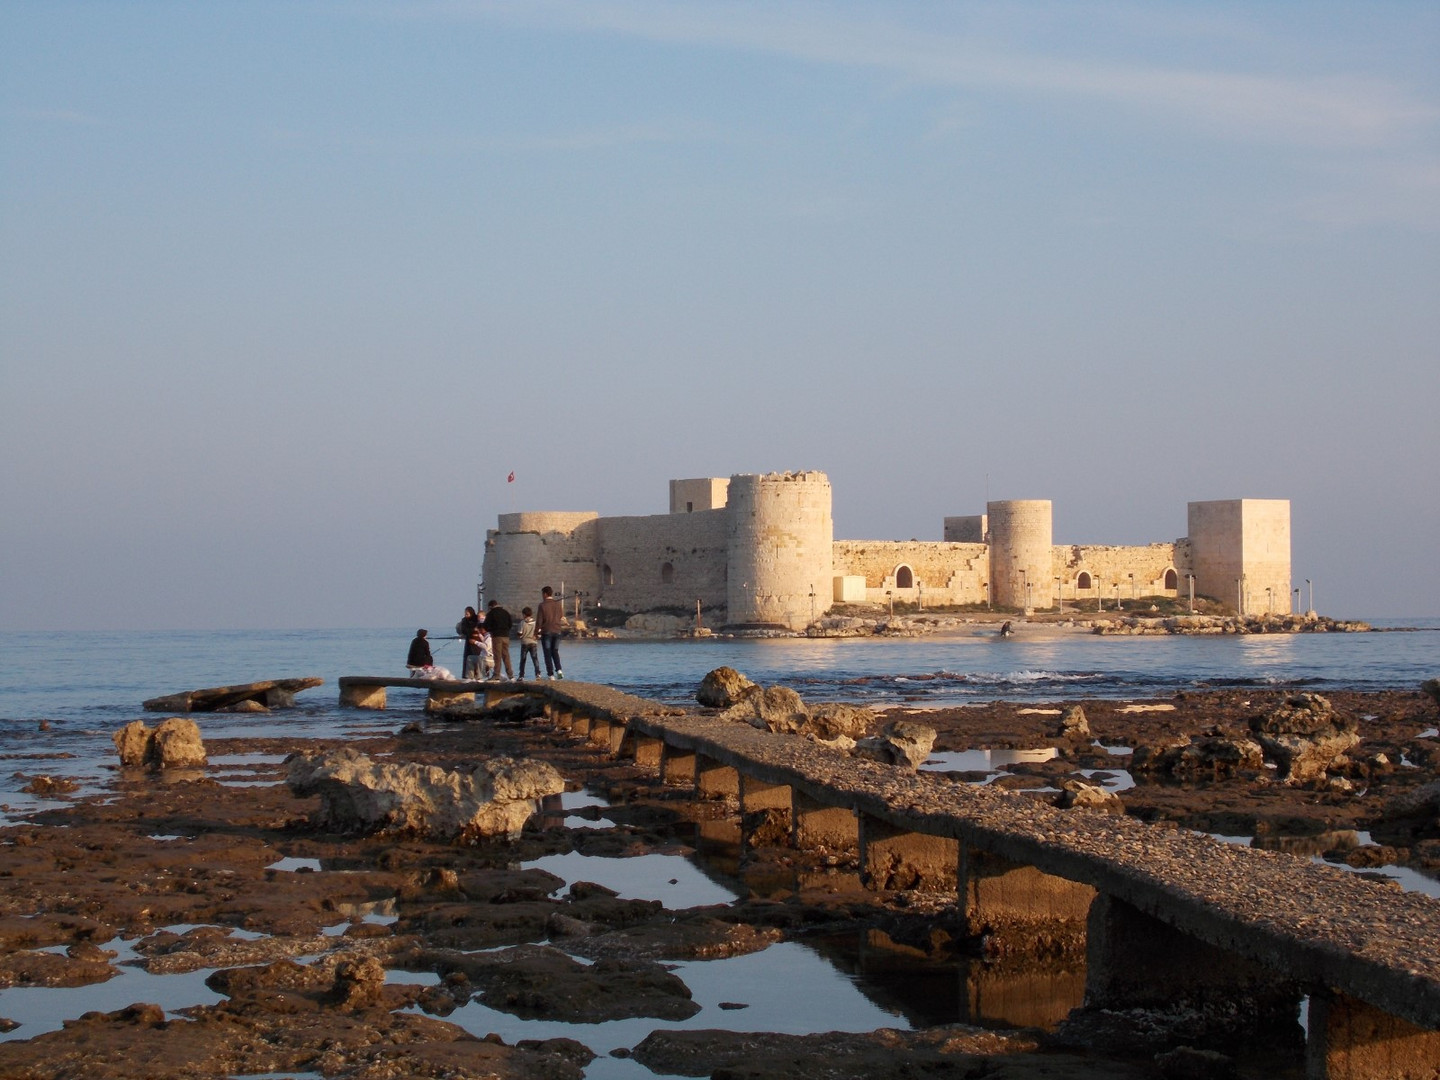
point(499, 622)
point(548, 622)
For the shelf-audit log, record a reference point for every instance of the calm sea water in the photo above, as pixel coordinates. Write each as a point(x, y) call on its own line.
point(85, 685)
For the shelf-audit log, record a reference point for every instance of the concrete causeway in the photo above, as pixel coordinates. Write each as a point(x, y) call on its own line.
point(1217, 918)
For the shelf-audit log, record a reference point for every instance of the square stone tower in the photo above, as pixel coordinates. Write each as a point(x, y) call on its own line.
point(709, 493)
point(1240, 553)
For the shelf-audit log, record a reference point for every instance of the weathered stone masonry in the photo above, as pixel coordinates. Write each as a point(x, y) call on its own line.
point(760, 550)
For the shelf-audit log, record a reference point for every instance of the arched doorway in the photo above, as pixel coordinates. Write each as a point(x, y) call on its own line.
point(1172, 579)
point(904, 578)
point(1083, 581)
point(667, 573)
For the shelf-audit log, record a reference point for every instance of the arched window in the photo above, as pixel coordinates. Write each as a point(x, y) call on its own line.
point(667, 572)
point(1172, 579)
point(607, 575)
point(1083, 581)
point(904, 578)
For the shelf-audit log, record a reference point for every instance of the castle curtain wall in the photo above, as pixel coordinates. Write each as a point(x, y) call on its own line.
point(944, 573)
point(636, 551)
point(1109, 566)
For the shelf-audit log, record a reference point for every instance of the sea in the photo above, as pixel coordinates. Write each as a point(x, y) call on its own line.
point(62, 694)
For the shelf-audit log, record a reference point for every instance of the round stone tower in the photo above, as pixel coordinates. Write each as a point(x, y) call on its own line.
point(531, 550)
point(780, 560)
point(1020, 558)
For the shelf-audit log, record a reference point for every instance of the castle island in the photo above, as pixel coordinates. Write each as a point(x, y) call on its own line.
point(760, 550)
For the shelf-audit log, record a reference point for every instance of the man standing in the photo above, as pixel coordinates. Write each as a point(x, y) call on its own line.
point(548, 621)
point(499, 621)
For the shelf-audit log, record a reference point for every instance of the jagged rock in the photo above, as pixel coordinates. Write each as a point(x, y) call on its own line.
point(832, 720)
point(1305, 738)
point(1077, 794)
point(1073, 724)
point(173, 743)
point(1212, 755)
point(904, 743)
point(776, 708)
point(359, 983)
point(496, 798)
point(723, 687)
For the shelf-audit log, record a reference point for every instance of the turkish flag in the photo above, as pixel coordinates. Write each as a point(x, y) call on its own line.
point(511, 478)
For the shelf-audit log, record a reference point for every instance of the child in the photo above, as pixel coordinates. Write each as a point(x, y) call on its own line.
point(487, 653)
point(529, 642)
point(473, 654)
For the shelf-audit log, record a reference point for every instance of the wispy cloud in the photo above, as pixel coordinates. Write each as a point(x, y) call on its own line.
point(70, 117)
point(1342, 111)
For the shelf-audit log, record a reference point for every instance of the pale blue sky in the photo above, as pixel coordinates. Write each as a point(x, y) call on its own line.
point(286, 289)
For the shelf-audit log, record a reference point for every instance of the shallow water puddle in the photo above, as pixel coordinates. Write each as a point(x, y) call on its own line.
point(672, 879)
point(764, 982)
point(991, 761)
point(38, 1009)
point(292, 864)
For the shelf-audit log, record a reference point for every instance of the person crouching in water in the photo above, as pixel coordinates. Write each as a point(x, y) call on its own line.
point(529, 642)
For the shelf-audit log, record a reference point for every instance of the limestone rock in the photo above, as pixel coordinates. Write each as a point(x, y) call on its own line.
point(832, 720)
point(776, 708)
point(1213, 754)
point(1077, 794)
point(722, 688)
point(1073, 724)
point(496, 798)
point(173, 743)
point(904, 743)
point(1305, 738)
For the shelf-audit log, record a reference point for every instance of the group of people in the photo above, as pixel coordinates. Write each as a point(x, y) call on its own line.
point(487, 642)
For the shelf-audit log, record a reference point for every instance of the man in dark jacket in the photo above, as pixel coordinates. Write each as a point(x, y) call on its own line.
point(548, 621)
point(419, 652)
point(499, 621)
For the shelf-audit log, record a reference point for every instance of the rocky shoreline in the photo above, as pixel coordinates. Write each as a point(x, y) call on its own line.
point(877, 622)
point(349, 965)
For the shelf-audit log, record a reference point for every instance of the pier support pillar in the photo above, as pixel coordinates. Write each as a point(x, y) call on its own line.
point(648, 751)
point(1137, 961)
point(895, 858)
point(579, 723)
point(765, 813)
point(1020, 905)
point(820, 825)
point(716, 781)
point(677, 767)
point(1350, 1040)
point(363, 697)
point(598, 731)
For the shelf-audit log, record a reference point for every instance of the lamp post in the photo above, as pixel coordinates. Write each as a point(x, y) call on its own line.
point(812, 603)
point(1117, 597)
point(1310, 610)
point(986, 586)
point(1025, 592)
point(1132, 586)
point(1192, 592)
point(1239, 597)
point(890, 597)
point(1059, 597)
point(1295, 607)
point(1269, 599)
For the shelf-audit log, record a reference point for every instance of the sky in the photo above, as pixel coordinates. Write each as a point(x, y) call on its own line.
point(287, 290)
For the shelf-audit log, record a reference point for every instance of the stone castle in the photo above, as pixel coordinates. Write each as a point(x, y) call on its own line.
point(760, 550)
